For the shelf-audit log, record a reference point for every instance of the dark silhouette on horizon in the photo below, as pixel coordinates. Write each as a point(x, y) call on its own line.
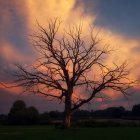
point(19, 114)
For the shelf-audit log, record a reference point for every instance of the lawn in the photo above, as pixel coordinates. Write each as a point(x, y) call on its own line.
point(50, 133)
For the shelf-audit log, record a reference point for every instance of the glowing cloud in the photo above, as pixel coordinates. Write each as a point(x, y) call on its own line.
point(43, 10)
point(64, 9)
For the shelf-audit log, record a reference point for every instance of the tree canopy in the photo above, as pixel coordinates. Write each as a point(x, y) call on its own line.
point(70, 62)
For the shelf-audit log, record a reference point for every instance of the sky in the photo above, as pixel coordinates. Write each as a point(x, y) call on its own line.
point(117, 20)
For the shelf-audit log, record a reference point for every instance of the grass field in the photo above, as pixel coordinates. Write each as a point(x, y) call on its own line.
point(49, 133)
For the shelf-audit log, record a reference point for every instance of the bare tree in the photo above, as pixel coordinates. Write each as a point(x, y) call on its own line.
point(70, 62)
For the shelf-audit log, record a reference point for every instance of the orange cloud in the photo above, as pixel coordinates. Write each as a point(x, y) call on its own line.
point(64, 9)
point(9, 53)
point(13, 90)
point(43, 10)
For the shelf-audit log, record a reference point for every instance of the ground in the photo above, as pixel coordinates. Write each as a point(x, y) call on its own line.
point(50, 133)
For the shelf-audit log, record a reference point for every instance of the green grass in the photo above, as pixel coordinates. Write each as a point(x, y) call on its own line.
point(49, 133)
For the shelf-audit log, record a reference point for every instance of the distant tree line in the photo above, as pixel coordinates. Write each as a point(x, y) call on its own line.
point(21, 115)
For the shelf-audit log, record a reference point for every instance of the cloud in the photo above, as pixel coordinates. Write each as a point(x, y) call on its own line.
point(63, 9)
point(18, 20)
point(118, 16)
point(13, 25)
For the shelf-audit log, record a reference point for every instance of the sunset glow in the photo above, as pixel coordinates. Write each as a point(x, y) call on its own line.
point(19, 20)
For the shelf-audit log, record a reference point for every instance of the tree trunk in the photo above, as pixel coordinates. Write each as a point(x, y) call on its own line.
point(67, 113)
point(67, 120)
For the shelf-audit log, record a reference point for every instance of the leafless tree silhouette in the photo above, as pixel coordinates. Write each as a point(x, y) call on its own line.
point(70, 62)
